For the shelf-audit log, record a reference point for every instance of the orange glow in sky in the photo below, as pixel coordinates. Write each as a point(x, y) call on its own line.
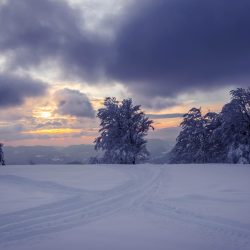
point(54, 131)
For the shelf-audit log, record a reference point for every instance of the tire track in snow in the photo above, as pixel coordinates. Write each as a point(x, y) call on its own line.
point(236, 232)
point(78, 209)
point(83, 207)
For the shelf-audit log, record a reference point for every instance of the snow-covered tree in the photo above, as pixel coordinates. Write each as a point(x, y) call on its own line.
point(189, 143)
point(212, 143)
point(194, 144)
point(2, 161)
point(234, 129)
point(223, 137)
point(122, 133)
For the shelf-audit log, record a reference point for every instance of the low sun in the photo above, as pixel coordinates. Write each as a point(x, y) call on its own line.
point(42, 113)
point(45, 114)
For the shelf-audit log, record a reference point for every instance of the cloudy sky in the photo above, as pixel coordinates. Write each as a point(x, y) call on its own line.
point(60, 59)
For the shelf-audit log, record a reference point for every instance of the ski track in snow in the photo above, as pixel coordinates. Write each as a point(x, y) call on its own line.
point(235, 232)
point(83, 206)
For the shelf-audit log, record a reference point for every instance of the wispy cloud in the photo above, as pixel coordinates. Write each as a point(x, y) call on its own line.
point(165, 116)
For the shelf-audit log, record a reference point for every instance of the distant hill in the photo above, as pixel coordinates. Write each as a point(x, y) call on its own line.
point(48, 155)
point(159, 150)
point(74, 154)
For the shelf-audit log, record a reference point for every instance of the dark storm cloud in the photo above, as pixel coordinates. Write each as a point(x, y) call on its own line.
point(166, 47)
point(73, 103)
point(160, 49)
point(14, 90)
point(34, 32)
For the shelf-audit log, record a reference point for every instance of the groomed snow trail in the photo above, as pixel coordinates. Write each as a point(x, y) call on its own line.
point(147, 189)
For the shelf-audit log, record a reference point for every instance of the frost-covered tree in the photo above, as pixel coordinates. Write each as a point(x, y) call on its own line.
point(194, 144)
point(234, 129)
point(122, 133)
point(212, 143)
point(223, 137)
point(189, 146)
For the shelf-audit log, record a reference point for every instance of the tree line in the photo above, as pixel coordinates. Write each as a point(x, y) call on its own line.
point(222, 137)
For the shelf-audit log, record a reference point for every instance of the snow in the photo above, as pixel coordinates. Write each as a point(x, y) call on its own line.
point(120, 207)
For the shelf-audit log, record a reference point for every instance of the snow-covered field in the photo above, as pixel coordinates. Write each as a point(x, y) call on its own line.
point(149, 207)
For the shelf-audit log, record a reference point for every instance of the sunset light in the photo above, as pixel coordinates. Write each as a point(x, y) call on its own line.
point(55, 131)
point(45, 114)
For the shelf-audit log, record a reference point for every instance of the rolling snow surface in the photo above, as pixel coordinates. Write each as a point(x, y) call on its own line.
point(120, 207)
